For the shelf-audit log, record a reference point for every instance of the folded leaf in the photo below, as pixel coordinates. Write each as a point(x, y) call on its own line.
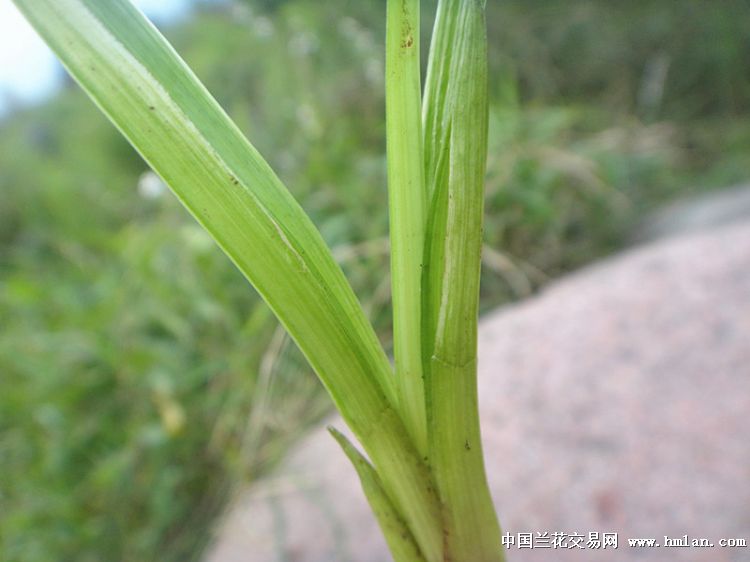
point(455, 160)
point(397, 534)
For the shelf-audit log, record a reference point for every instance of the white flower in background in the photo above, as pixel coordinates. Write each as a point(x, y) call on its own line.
point(374, 71)
point(240, 12)
point(304, 43)
point(196, 238)
point(150, 186)
point(263, 27)
point(348, 27)
point(356, 35)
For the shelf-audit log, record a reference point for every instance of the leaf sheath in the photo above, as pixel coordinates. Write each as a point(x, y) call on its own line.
point(455, 160)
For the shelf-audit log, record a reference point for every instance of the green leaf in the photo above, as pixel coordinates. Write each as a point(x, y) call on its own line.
point(407, 202)
point(158, 104)
point(400, 540)
point(435, 119)
point(455, 160)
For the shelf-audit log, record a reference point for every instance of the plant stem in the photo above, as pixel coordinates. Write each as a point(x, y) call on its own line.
point(407, 203)
point(456, 161)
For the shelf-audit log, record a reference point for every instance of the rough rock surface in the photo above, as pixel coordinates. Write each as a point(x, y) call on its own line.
point(618, 400)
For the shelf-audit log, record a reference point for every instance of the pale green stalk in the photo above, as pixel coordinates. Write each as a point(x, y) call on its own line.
point(407, 203)
point(457, 126)
point(148, 92)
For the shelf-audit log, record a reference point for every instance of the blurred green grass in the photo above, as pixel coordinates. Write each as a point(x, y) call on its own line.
point(142, 378)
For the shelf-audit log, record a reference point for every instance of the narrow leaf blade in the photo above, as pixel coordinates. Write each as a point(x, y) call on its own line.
point(400, 541)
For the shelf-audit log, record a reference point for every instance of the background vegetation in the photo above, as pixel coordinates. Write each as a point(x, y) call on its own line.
point(141, 377)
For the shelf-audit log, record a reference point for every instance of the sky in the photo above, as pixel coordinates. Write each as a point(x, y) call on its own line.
point(29, 72)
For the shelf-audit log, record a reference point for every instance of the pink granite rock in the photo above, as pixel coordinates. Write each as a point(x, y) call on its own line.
point(618, 400)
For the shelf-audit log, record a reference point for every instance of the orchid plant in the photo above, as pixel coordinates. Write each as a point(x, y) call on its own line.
point(417, 422)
